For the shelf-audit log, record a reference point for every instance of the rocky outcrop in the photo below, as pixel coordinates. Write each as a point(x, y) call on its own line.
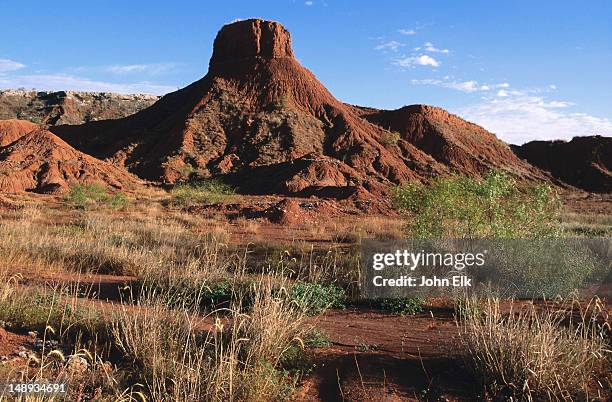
point(249, 39)
point(34, 159)
point(463, 147)
point(583, 162)
point(70, 107)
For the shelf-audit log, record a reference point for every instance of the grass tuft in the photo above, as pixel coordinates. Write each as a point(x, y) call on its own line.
point(209, 191)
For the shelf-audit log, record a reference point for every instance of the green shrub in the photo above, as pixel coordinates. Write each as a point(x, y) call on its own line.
point(204, 192)
point(495, 206)
point(117, 201)
point(315, 298)
point(316, 339)
point(84, 196)
point(402, 305)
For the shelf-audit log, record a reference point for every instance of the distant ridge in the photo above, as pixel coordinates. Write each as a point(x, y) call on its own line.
point(583, 162)
point(69, 107)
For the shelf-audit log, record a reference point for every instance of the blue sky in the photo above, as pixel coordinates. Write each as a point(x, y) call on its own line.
point(522, 69)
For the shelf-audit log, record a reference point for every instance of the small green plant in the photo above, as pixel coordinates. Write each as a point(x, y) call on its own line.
point(84, 196)
point(495, 206)
point(209, 191)
point(315, 298)
point(402, 305)
point(316, 339)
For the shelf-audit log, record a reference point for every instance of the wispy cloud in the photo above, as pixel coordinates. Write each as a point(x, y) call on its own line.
point(7, 65)
point(429, 47)
point(463, 86)
point(308, 3)
point(420, 60)
point(407, 32)
point(519, 117)
point(150, 69)
point(392, 45)
point(57, 82)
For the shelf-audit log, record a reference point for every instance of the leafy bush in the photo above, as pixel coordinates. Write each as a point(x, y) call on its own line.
point(84, 196)
point(402, 305)
point(495, 206)
point(315, 298)
point(204, 192)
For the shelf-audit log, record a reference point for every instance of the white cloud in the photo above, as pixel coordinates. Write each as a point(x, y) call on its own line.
point(389, 46)
point(559, 104)
point(407, 32)
point(9, 65)
point(503, 85)
point(421, 60)
point(57, 82)
point(125, 69)
point(485, 87)
point(429, 47)
point(308, 3)
point(463, 86)
point(502, 93)
point(152, 69)
point(518, 118)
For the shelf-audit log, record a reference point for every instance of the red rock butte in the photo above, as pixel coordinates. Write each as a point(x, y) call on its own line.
point(264, 123)
point(251, 38)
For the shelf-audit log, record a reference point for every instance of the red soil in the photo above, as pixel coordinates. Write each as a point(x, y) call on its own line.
point(376, 357)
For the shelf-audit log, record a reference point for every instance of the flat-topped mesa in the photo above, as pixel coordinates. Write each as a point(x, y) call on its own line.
point(249, 39)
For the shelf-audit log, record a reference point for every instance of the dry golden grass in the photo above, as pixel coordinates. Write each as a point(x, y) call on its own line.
point(531, 353)
point(157, 337)
point(174, 353)
point(103, 243)
point(587, 224)
point(366, 227)
point(248, 226)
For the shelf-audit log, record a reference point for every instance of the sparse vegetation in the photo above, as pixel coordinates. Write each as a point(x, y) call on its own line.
point(199, 317)
point(209, 191)
point(84, 196)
